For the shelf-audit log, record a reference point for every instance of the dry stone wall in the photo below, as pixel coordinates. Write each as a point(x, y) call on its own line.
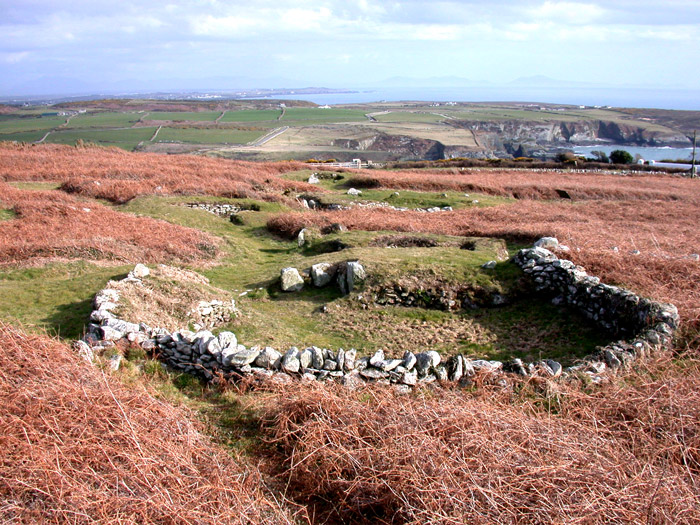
point(642, 325)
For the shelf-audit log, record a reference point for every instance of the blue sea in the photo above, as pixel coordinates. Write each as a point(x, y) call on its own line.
point(647, 153)
point(684, 99)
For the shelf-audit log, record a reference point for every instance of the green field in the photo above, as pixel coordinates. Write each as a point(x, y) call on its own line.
point(252, 115)
point(190, 116)
point(124, 138)
point(103, 120)
point(208, 136)
point(409, 116)
point(308, 116)
point(25, 136)
point(15, 125)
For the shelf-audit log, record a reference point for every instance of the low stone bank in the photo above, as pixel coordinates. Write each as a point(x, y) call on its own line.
point(645, 325)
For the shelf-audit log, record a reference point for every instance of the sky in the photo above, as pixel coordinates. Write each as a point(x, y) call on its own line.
point(76, 46)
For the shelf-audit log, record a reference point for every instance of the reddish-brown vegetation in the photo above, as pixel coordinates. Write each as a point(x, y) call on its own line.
point(79, 447)
point(665, 232)
point(53, 224)
point(624, 454)
point(118, 176)
point(524, 184)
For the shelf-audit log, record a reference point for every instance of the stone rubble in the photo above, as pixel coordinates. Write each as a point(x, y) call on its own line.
point(646, 325)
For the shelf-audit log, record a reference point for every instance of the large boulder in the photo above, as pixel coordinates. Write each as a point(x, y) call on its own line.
point(291, 280)
point(548, 243)
point(322, 274)
point(290, 361)
point(349, 274)
point(140, 271)
point(268, 358)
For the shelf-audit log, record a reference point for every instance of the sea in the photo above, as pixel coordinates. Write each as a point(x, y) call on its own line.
point(678, 99)
point(684, 99)
point(647, 153)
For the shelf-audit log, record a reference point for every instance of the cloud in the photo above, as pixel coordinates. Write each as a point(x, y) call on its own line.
point(568, 12)
point(104, 38)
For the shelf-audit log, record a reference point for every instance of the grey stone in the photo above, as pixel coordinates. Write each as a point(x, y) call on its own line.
point(340, 359)
point(489, 265)
point(441, 373)
point(268, 358)
point(409, 360)
point(377, 359)
point(306, 357)
point(140, 271)
point(481, 364)
point(290, 361)
point(84, 351)
point(113, 362)
point(434, 358)
point(322, 274)
point(330, 364)
point(99, 316)
point(110, 334)
point(374, 373)
point(212, 347)
point(554, 366)
point(352, 381)
point(456, 368)
point(242, 357)
point(350, 356)
point(611, 359)
point(316, 357)
point(390, 364)
point(227, 339)
point(423, 362)
point(291, 280)
point(361, 363)
point(349, 274)
point(548, 243)
point(410, 377)
point(354, 192)
point(301, 237)
point(149, 345)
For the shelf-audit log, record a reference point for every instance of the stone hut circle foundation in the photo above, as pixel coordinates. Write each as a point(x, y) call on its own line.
point(641, 324)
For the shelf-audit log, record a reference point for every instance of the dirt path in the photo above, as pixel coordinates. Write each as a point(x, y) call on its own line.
point(44, 137)
point(218, 119)
point(284, 110)
point(155, 134)
point(271, 135)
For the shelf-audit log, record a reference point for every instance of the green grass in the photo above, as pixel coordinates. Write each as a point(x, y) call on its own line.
point(208, 136)
point(123, 138)
point(252, 259)
point(56, 298)
point(193, 116)
point(404, 199)
point(16, 125)
point(36, 186)
point(410, 116)
point(251, 115)
point(308, 116)
point(103, 120)
point(26, 136)
point(6, 214)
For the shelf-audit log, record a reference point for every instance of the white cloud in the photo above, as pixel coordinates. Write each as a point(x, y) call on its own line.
point(568, 12)
point(14, 58)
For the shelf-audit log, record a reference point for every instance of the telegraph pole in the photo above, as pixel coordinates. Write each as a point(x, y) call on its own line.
point(693, 169)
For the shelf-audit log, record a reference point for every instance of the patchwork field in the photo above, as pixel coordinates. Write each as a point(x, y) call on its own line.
point(380, 132)
point(626, 449)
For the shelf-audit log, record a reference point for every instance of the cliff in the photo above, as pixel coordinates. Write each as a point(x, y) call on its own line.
point(510, 134)
point(402, 147)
